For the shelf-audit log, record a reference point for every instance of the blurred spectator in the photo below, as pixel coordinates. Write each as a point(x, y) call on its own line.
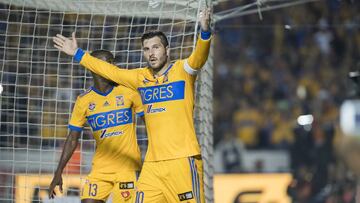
point(228, 155)
point(294, 62)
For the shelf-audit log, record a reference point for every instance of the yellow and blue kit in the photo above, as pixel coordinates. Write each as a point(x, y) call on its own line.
point(117, 159)
point(173, 162)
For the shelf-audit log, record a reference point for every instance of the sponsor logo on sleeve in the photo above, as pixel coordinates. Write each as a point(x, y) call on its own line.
point(185, 196)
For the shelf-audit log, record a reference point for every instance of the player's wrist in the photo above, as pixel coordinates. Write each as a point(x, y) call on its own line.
point(205, 35)
point(79, 53)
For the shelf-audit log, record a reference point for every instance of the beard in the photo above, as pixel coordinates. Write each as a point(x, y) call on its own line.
point(158, 67)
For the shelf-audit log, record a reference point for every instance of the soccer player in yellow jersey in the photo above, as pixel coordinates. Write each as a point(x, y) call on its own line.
point(172, 170)
point(109, 109)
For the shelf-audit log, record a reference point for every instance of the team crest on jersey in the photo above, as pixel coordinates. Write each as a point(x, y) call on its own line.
point(120, 100)
point(106, 103)
point(166, 78)
point(126, 195)
point(91, 106)
point(145, 81)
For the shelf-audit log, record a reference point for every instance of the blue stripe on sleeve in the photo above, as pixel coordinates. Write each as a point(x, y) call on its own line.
point(78, 55)
point(75, 128)
point(205, 35)
point(140, 114)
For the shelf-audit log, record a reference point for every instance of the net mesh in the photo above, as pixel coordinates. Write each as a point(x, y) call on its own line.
point(40, 84)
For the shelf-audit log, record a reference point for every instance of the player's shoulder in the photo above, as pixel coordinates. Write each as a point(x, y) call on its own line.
point(178, 66)
point(85, 93)
point(124, 90)
point(144, 70)
point(179, 63)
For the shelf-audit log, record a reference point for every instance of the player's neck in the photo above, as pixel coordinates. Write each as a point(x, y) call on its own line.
point(160, 71)
point(102, 86)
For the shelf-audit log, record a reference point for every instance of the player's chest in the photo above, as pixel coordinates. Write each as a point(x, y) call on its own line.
point(161, 90)
point(111, 103)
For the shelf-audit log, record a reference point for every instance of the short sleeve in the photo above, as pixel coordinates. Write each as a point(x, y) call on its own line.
point(138, 106)
point(78, 116)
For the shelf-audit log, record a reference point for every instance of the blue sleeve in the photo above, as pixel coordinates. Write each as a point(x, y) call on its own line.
point(205, 35)
point(78, 55)
point(140, 114)
point(75, 128)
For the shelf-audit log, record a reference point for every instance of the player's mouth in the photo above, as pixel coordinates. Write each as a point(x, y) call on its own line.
point(153, 61)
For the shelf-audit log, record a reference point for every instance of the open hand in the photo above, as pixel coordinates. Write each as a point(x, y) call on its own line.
point(66, 45)
point(204, 19)
point(57, 180)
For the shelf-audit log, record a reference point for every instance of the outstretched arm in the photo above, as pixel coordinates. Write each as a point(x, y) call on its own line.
point(109, 71)
point(200, 54)
point(69, 148)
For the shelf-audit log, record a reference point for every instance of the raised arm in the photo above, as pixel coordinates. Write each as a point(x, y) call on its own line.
point(100, 67)
point(200, 54)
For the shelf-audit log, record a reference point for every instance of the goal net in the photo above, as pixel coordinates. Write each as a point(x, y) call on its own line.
point(40, 84)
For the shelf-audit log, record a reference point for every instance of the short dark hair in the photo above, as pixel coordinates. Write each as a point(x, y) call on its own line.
point(155, 33)
point(103, 55)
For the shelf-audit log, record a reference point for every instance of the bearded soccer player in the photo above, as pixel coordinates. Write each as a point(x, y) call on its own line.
point(109, 109)
point(172, 170)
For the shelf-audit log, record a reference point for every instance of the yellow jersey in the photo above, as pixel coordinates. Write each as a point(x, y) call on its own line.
point(111, 116)
point(168, 101)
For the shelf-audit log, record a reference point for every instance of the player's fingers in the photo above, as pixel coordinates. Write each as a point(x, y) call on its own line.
point(201, 14)
point(208, 12)
point(51, 192)
point(61, 37)
point(61, 186)
point(58, 47)
point(74, 38)
point(58, 41)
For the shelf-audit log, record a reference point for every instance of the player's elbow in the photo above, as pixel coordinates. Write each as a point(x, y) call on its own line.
point(197, 64)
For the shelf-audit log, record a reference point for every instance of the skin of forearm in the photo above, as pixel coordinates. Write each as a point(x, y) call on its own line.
point(68, 150)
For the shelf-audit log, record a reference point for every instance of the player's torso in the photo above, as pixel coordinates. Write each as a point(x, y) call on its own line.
point(168, 105)
point(112, 120)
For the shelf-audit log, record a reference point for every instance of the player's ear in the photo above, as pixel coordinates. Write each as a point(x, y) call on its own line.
point(167, 49)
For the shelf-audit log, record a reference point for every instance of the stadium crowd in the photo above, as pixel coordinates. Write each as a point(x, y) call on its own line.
point(269, 72)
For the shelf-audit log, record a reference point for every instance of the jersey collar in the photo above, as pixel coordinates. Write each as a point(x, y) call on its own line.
point(165, 72)
point(102, 93)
